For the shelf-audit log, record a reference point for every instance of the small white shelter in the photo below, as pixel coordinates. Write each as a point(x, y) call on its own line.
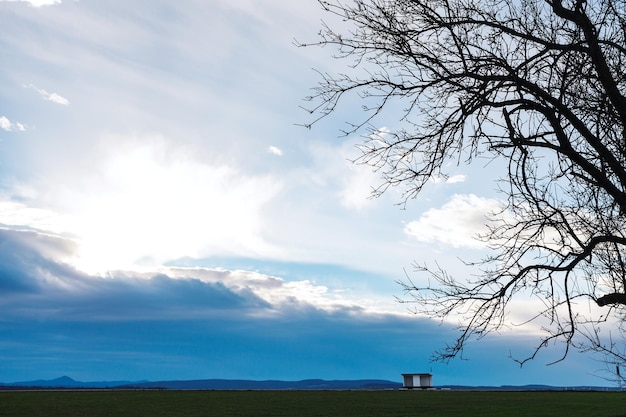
point(412, 381)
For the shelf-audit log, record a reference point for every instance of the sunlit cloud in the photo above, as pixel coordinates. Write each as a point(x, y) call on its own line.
point(53, 97)
point(458, 223)
point(6, 124)
point(37, 3)
point(281, 297)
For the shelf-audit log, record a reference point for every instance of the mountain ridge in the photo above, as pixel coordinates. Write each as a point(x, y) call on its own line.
point(66, 382)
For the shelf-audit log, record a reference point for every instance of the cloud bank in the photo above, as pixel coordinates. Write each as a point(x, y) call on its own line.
point(35, 280)
point(194, 322)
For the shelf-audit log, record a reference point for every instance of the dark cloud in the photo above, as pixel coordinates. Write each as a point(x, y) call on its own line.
point(33, 282)
point(227, 347)
point(160, 297)
point(22, 267)
point(258, 348)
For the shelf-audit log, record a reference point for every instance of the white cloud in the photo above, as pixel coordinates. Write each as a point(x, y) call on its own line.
point(6, 124)
point(456, 179)
point(38, 3)
point(275, 151)
point(457, 223)
point(53, 97)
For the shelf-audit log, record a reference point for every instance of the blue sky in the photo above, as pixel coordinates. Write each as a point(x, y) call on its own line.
point(163, 216)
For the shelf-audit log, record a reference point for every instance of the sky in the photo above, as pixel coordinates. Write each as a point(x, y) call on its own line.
point(163, 214)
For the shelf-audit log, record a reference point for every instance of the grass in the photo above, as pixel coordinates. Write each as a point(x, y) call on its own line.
point(312, 403)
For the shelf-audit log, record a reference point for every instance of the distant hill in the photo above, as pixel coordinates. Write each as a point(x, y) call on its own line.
point(307, 384)
point(66, 382)
point(208, 384)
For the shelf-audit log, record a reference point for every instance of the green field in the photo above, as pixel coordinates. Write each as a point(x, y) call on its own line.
point(312, 403)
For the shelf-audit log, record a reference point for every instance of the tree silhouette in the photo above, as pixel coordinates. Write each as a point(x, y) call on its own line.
point(538, 84)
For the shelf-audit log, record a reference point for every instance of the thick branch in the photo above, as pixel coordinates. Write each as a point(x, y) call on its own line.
point(614, 298)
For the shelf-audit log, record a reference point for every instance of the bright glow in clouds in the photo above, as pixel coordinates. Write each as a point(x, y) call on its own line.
point(53, 97)
point(149, 203)
point(457, 223)
point(6, 124)
point(38, 3)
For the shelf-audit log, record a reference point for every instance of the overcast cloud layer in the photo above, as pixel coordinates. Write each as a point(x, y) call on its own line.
point(163, 216)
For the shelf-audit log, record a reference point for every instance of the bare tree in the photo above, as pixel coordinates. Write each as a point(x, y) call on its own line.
point(539, 84)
